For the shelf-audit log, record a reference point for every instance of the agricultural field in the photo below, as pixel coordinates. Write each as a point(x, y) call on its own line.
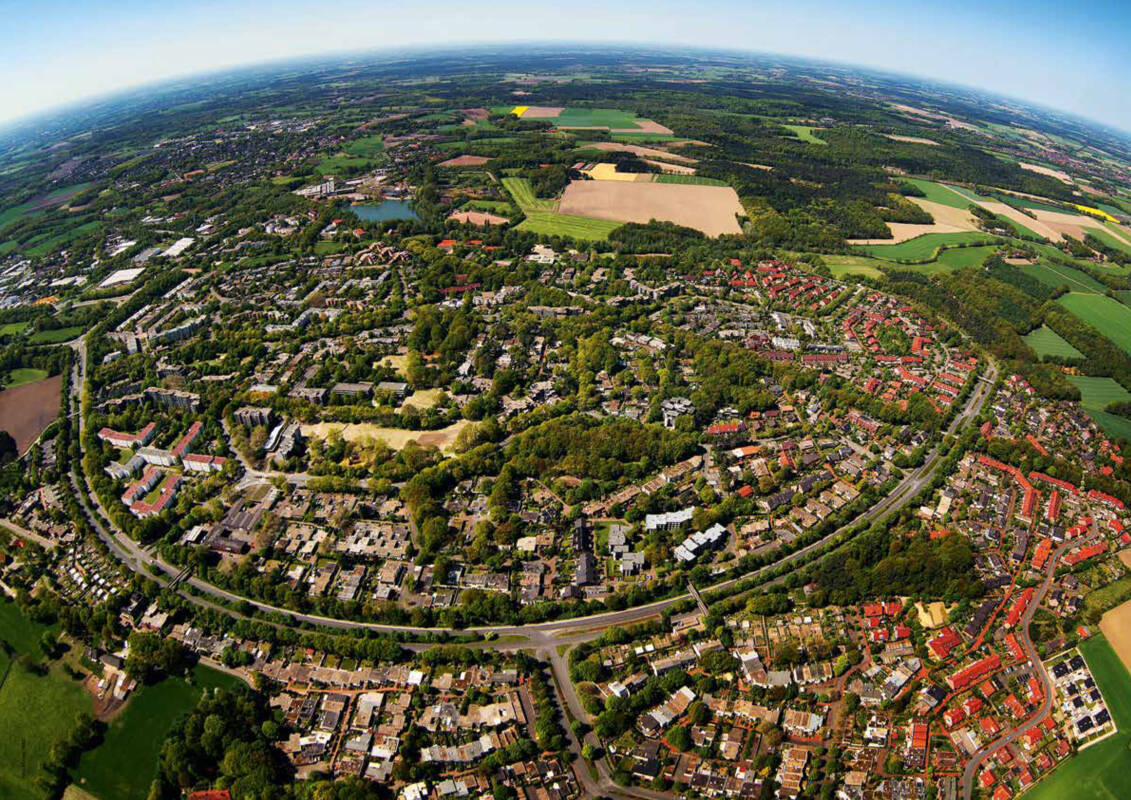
point(26, 410)
point(710, 209)
point(690, 180)
point(549, 223)
point(523, 194)
point(1056, 275)
point(124, 764)
point(1095, 396)
point(1100, 771)
point(1106, 315)
point(939, 193)
point(356, 156)
point(1047, 342)
point(923, 248)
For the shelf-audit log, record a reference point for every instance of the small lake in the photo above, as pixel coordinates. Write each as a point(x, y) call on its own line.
point(384, 210)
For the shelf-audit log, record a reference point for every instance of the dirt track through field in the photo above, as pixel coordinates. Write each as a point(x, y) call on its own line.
point(710, 209)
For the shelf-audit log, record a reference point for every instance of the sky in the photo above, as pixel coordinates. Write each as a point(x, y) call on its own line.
point(1067, 56)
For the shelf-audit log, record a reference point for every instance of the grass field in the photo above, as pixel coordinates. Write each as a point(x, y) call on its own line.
point(1099, 772)
point(1095, 395)
point(1110, 240)
point(841, 266)
point(548, 223)
point(123, 766)
point(921, 248)
point(937, 193)
point(643, 138)
point(12, 328)
point(395, 438)
point(523, 194)
point(41, 247)
point(18, 377)
point(55, 336)
point(1047, 342)
point(805, 134)
point(1110, 317)
point(694, 180)
point(1057, 275)
point(35, 711)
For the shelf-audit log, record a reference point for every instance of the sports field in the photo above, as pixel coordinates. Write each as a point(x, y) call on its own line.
point(123, 766)
point(1101, 771)
point(1095, 395)
point(1047, 342)
point(1108, 316)
point(1057, 275)
point(921, 248)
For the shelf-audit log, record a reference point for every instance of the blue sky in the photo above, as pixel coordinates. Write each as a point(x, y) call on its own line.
point(1068, 56)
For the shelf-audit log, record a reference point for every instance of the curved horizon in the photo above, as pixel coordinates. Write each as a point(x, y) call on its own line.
point(68, 53)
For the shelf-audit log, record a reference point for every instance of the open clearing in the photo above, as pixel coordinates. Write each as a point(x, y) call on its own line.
point(1047, 342)
point(479, 218)
point(671, 169)
point(523, 194)
point(958, 197)
point(1116, 626)
point(425, 398)
point(395, 438)
point(1100, 772)
point(805, 133)
point(55, 336)
point(911, 139)
point(1109, 317)
point(1060, 175)
point(840, 266)
point(123, 766)
point(26, 410)
point(637, 150)
point(12, 328)
point(1095, 395)
point(710, 209)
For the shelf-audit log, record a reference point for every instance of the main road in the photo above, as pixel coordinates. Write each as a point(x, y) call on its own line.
point(141, 559)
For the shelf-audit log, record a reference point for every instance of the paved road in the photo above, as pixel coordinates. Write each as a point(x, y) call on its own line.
point(543, 633)
point(19, 530)
point(978, 758)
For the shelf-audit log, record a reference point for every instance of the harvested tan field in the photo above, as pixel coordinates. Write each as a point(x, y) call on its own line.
point(911, 139)
point(609, 172)
point(475, 113)
point(1116, 626)
point(479, 218)
point(1125, 556)
point(425, 398)
point(947, 220)
point(1060, 175)
point(642, 126)
point(711, 209)
point(26, 410)
point(637, 150)
point(1011, 213)
point(542, 112)
point(766, 167)
point(671, 169)
point(395, 438)
point(1074, 224)
point(464, 161)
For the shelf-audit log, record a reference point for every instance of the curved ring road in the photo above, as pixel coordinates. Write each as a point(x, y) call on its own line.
point(139, 559)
